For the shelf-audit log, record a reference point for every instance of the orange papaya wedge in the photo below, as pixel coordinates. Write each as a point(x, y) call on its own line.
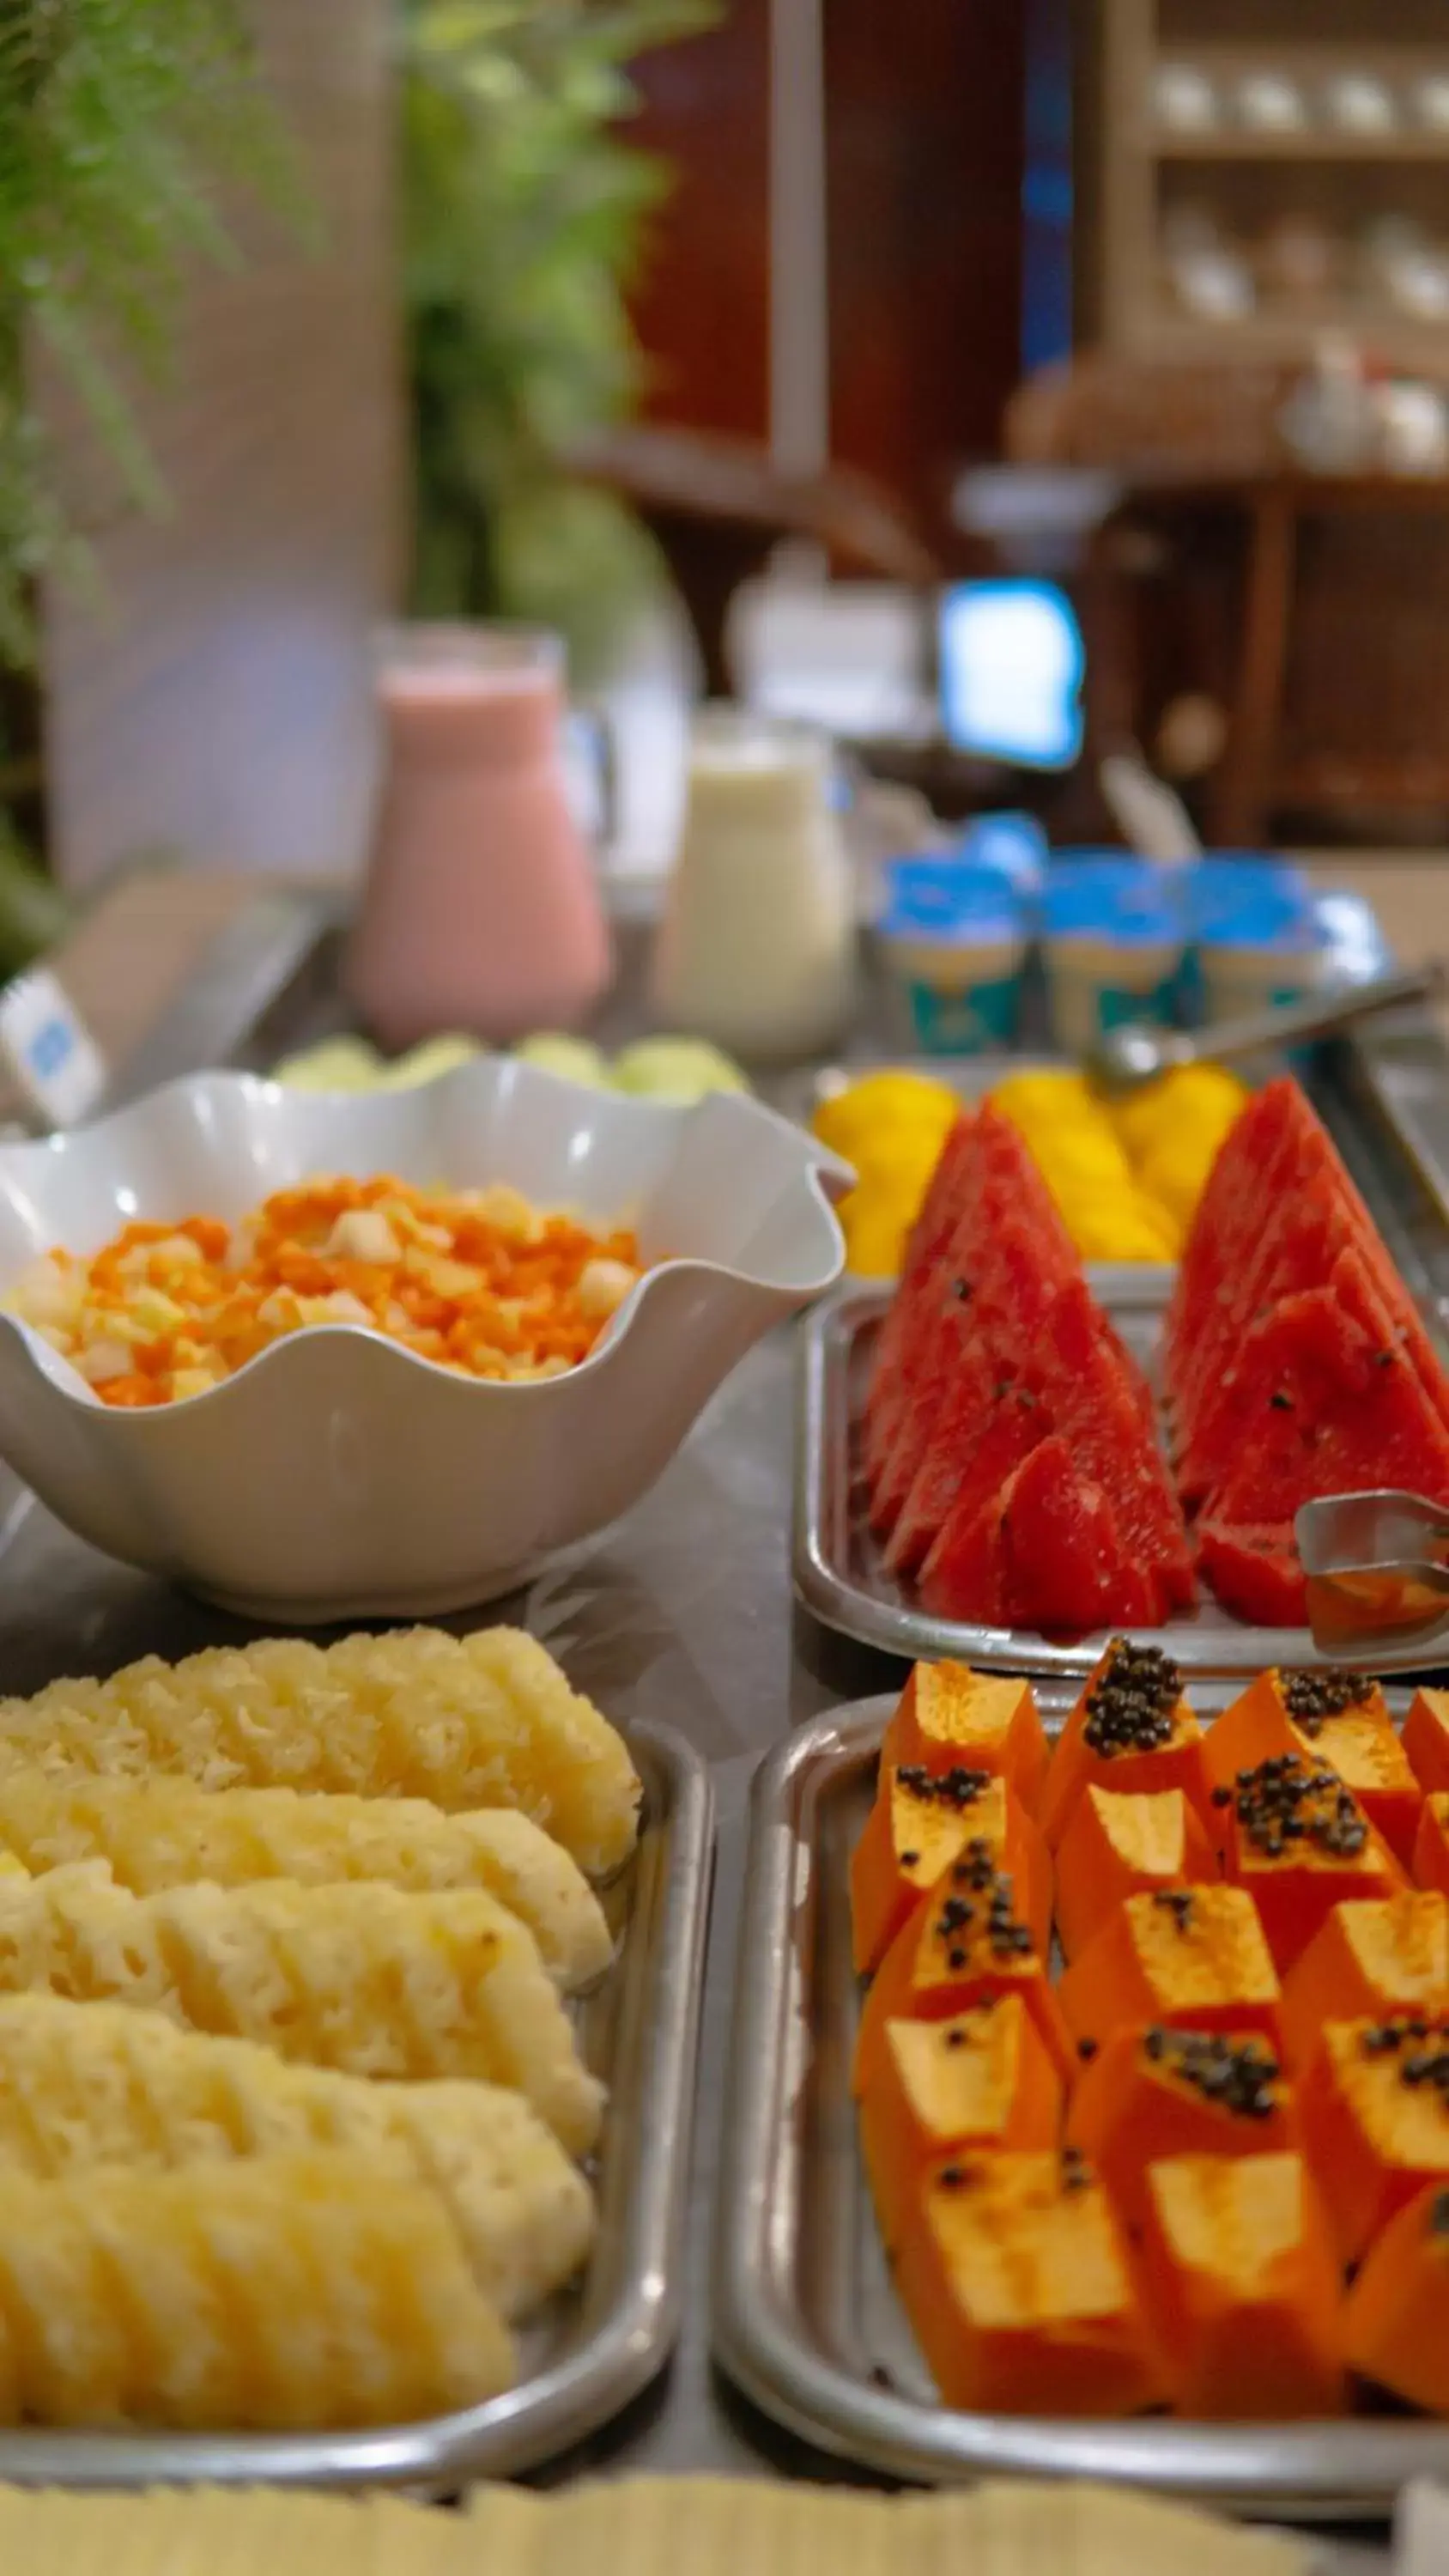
point(1189, 1958)
point(1431, 1843)
point(1131, 1730)
point(1116, 1846)
point(1331, 1719)
point(966, 1942)
point(1154, 2093)
point(1374, 2101)
point(1370, 1960)
point(1393, 2317)
point(949, 1718)
point(1240, 2288)
point(1299, 1842)
point(920, 1822)
point(983, 2079)
point(1017, 2284)
point(1426, 1739)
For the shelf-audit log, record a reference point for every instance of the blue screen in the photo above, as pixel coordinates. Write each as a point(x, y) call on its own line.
point(1012, 663)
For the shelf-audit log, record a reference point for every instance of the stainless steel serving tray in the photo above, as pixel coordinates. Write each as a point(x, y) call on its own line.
point(594, 2348)
point(805, 2319)
point(839, 1573)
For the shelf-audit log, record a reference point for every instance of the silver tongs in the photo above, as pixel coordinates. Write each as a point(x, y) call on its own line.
point(1377, 1566)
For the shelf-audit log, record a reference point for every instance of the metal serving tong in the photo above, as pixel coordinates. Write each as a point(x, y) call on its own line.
point(1123, 1058)
point(1377, 1565)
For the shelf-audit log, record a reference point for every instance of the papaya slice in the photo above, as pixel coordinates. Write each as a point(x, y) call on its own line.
point(1240, 2287)
point(982, 2079)
point(1340, 1718)
point(1393, 2317)
point(947, 1716)
point(1154, 2093)
point(966, 1942)
point(1374, 2100)
point(1118, 1846)
point(1298, 1841)
point(1426, 1739)
point(1431, 1844)
point(1014, 2276)
point(920, 1822)
point(1191, 1958)
point(1131, 1730)
point(1369, 1961)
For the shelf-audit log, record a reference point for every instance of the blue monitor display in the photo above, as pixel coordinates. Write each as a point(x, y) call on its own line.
point(1011, 664)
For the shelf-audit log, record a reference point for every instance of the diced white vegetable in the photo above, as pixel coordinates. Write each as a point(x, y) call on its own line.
point(604, 1285)
point(362, 1234)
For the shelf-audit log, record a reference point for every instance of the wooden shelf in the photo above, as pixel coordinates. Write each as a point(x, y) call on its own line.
point(1234, 143)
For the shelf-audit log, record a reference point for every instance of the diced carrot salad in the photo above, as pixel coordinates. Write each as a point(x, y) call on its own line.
point(478, 1280)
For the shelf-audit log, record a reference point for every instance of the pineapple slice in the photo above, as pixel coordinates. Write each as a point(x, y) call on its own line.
point(98, 2083)
point(162, 1833)
point(481, 1721)
point(359, 1978)
point(294, 2293)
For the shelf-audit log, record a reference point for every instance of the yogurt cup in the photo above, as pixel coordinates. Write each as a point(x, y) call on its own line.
point(955, 941)
point(1261, 951)
point(1113, 947)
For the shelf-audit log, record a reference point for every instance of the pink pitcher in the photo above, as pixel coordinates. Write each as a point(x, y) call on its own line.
point(481, 912)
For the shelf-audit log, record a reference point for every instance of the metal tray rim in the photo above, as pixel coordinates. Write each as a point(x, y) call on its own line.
point(897, 1629)
point(643, 2284)
point(1335, 2471)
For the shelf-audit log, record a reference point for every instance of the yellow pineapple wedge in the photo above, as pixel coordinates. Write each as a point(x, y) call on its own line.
point(104, 2084)
point(480, 1721)
point(292, 2293)
point(168, 1833)
point(358, 1978)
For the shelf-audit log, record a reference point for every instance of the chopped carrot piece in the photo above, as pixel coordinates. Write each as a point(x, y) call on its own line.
point(1117, 1846)
point(982, 2079)
point(1240, 2287)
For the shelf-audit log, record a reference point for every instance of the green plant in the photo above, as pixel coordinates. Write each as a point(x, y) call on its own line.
point(524, 212)
point(117, 118)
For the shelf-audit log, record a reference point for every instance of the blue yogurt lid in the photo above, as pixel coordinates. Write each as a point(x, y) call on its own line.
point(950, 900)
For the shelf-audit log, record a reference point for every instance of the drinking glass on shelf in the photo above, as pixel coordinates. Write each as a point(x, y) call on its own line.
point(1361, 103)
point(482, 911)
point(1186, 99)
point(1431, 101)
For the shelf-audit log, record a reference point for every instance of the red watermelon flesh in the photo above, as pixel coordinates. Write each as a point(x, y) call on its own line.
point(1090, 1387)
point(1008, 1293)
point(1223, 1226)
point(1325, 1403)
point(1046, 1554)
point(936, 1222)
point(1310, 1213)
point(996, 1179)
point(991, 1424)
point(1254, 1571)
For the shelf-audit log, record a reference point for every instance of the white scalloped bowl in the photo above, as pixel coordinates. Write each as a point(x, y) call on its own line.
point(338, 1475)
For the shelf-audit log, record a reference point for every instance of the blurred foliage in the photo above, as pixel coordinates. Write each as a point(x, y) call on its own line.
point(524, 215)
point(117, 119)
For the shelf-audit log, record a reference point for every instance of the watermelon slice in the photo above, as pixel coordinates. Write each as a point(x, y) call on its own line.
point(993, 1175)
point(1314, 1215)
point(1225, 1225)
point(1090, 1387)
point(1325, 1401)
point(936, 1222)
point(1254, 1571)
point(1046, 1554)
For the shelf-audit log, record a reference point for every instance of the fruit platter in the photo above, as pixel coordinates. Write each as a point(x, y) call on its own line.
point(1090, 2084)
point(1010, 1454)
